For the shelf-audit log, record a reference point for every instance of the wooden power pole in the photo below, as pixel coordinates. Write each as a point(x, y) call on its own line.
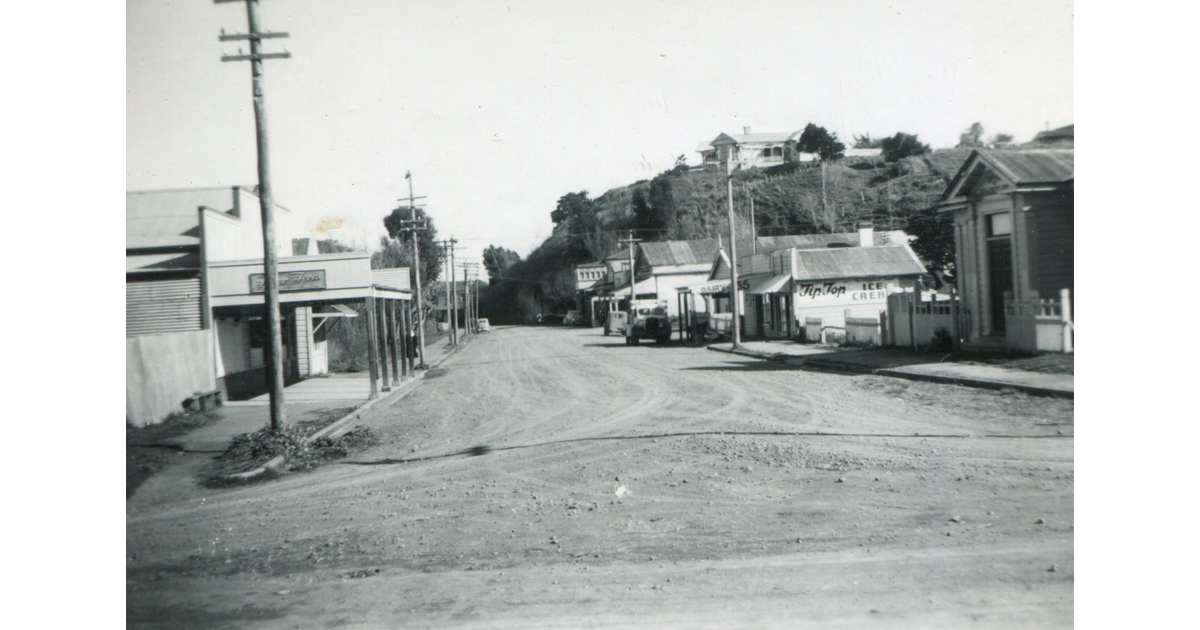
point(413, 226)
point(632, 294)
point(266, 201)
point(733, 260)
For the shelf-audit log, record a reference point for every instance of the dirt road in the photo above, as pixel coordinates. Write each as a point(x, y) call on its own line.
point(664, 486)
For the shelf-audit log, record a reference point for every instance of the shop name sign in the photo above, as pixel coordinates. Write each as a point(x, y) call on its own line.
point(290, 281)
point(847, 292)
point(715, 288)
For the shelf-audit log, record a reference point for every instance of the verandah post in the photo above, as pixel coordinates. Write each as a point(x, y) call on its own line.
point(1068, 324)
point(372, 351)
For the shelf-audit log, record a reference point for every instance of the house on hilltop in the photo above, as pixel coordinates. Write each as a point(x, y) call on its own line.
point(1063, 137)
point(753, 149)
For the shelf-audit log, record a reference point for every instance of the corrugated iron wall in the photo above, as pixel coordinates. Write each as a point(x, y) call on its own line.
point(162, 306)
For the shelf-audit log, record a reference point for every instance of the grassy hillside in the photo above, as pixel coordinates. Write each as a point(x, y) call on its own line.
point(687, 204)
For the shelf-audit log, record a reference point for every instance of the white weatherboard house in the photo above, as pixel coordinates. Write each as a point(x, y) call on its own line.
point(195, 303)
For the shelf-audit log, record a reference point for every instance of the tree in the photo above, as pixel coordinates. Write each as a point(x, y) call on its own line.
point(496, 260)
point(572, 206)
point(902, 145)
point(1001, 138)
point(818, 140)
point(865, 141)
point(972, 138)
point(934, 232)
point(398, 253)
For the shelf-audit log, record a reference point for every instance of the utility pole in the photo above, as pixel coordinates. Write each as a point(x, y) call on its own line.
point(630, 241)
point(733, 260)
point(266, 200)
point(453, 296)
point(753, 229)
point(413, 226)
point(471, 304)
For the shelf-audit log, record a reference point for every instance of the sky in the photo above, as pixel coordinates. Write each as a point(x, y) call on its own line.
point(500, 108)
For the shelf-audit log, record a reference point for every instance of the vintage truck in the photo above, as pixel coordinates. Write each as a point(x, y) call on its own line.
point(648, 320)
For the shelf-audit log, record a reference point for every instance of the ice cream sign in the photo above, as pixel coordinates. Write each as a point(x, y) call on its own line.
point(841, 292)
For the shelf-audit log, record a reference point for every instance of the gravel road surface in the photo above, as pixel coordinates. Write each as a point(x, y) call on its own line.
point(667, 487)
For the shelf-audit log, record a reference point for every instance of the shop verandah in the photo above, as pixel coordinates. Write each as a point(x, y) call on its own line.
point(314, 294)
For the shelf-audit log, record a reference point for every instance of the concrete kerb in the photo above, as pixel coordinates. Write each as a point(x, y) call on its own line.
point(978, 383)
point(342, 425)
point(755, 354)
point(832, 364)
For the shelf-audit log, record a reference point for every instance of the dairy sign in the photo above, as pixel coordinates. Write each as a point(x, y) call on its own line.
point(842, 292)
point(312, 280)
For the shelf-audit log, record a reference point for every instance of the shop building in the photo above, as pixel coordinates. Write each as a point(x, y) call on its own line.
point(195, 304)
point(791, 278)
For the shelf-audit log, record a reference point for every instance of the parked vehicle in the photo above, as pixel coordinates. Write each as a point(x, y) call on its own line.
point(573, 318)
point(615, 323)
point(650, 321)
point(482, 325)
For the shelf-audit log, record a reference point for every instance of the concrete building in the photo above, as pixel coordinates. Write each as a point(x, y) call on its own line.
point(1014, 241)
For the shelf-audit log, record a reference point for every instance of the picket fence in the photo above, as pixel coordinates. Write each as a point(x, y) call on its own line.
point(1039, 324)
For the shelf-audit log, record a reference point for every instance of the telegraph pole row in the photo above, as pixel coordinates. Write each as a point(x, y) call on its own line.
point(266, 200)
point(471, 297)
point(451, 289)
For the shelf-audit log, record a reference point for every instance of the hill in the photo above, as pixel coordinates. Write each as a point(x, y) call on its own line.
point(683, 203)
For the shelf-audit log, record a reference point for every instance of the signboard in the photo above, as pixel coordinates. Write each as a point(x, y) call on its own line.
point(313, 280)
point(841, 292)
point(722, 287)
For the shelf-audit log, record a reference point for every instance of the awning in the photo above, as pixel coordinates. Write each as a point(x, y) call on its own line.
point(769, 284)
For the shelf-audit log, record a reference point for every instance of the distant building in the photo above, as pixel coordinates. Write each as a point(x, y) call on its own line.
point(1063, 137)
point(758, 149)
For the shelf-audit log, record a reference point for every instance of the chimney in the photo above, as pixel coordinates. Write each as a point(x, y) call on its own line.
point(866, 234)
point(746, 130)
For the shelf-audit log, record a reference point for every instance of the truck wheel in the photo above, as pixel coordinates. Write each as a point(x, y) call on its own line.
point(606, 331)
point(634, 340)
point(662, 341)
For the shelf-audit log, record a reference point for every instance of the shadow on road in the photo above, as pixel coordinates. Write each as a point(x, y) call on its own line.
point(484, 449)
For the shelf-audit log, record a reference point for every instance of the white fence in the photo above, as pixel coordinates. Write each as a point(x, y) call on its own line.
point(1040, 324)
point(864, 331)
point(813, 332)
point(913, 320)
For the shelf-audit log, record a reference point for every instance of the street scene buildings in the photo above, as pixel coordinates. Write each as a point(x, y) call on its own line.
point(807, 378)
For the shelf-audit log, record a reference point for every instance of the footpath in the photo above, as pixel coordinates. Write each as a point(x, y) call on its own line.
point(908, 364)
point(315, 400)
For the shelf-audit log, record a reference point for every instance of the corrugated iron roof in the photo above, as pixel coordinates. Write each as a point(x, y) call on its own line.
point(881, 238)
point(673, 253)
point(1033, 167)
point(856, 262)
